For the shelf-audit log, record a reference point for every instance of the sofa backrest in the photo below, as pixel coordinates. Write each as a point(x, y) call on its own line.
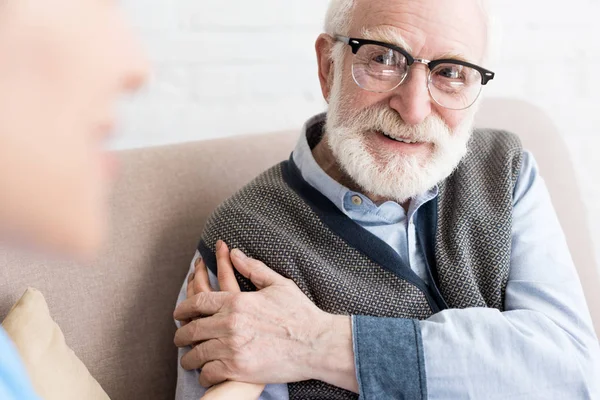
point(117, 312)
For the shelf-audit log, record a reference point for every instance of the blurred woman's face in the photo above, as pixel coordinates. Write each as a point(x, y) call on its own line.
point(63, 64)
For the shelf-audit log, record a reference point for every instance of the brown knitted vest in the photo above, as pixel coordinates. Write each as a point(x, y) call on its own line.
point(281, 220)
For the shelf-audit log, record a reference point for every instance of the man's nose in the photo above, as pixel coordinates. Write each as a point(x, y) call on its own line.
point(411, 99)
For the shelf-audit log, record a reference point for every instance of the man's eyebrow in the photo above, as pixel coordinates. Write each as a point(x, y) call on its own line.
point(385, 35)
point(454, 56)
point(391, 36)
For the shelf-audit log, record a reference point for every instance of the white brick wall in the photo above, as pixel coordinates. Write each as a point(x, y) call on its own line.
point(228, 67)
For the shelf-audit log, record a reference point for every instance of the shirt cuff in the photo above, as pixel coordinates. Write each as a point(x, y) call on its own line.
point(388, 354)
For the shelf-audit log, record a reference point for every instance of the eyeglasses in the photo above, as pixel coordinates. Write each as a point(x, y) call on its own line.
point(381, 67)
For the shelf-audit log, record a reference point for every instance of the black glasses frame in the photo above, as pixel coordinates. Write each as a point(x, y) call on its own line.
point(357, 43)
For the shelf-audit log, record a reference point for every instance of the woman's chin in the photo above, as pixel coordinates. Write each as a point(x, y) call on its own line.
point(79, 239)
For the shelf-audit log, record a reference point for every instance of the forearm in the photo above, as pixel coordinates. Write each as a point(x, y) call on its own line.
point(472, 353)
point(542, 347)
point(234, 390)
point(333, 359)
point(514, 354)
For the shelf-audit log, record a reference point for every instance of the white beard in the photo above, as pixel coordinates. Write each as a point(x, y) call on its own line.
point(386, 174)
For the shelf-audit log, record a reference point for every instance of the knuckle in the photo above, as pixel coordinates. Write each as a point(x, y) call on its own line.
point(255, 263)
point(188, 361)
point(221, 256)
point(216, 301)
point(237, 303)
point(199, 301)
point(233, 323)
point(180, 336)
point(207, 376)
point(236, 366)
point(199, 353)
point(196, 330)
point(239, 366)
point(215, 372)
point(196, 286)
point(238, 344)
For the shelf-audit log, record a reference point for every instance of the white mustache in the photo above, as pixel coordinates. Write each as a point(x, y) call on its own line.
point(386, 120)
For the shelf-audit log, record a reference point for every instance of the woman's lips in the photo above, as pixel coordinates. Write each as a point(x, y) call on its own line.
point(108, 159)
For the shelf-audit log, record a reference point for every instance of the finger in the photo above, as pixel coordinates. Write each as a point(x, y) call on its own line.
point(197, 261)
point(227, 279)
point(200, 330)
point(260, 275)
point(190, 281)
point(213, 373)
point(201, 305)
point(202, 354)
point(201, 282)
point(189, 292)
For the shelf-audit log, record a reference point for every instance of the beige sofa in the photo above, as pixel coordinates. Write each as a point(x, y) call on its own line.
point(116, 313)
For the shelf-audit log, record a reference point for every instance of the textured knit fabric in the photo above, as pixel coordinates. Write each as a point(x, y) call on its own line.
point(342, 268)
point(473, 238)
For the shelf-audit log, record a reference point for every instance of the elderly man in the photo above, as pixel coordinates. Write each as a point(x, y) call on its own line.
point(409, 257)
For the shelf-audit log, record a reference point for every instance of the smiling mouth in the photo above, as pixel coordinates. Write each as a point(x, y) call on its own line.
point(399, 139)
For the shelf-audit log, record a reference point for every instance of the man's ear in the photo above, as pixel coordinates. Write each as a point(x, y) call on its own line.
point(323, 46)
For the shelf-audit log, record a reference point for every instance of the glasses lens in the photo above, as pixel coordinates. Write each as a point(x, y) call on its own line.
point(378, 69)
point(455, 86)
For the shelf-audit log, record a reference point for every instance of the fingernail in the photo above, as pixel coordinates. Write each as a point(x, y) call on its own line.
point(219, 244)
point(237, 253)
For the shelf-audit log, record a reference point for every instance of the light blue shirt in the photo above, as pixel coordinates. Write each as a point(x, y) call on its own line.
point(14, 382)
point(542, 347)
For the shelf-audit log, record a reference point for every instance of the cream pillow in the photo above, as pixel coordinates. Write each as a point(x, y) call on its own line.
point(54, 369)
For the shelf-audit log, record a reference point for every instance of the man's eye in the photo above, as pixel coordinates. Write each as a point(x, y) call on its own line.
point(450, 73)
point(387, 58)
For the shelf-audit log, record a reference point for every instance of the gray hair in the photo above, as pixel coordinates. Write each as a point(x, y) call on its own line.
point(338, 21)
point(339, 17)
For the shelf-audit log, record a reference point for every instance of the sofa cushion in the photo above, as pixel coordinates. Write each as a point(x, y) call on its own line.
point(55, 371)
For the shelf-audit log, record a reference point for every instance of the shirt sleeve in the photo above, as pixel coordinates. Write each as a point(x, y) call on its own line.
point(188, 386)
point(542, 347)
point(14, 381)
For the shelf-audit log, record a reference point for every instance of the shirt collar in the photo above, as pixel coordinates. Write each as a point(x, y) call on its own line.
point(337, 193)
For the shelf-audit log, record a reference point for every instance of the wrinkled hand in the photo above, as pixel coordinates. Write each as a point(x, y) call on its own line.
point(274, 335)
point(198, 282)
